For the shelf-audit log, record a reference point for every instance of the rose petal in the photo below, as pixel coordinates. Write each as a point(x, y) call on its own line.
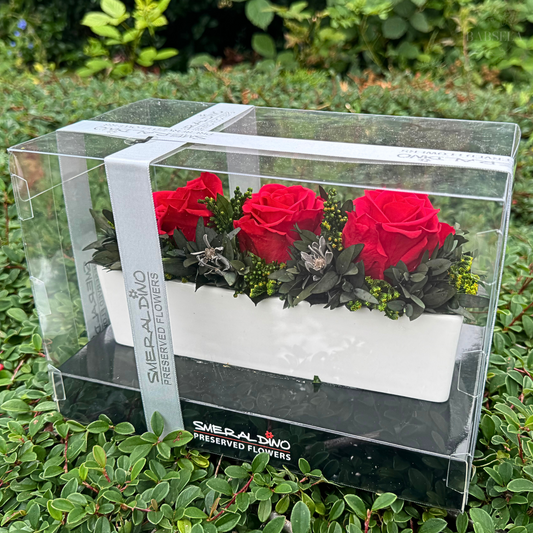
point(180, 209)
point(269, 217)
point(269, 245)
point(444, 231)
point(394, 226)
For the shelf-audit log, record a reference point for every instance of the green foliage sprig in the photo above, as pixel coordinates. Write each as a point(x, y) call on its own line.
point(434, 286)
point(383, 292)
point(124, 45)
point(225, 211)
point(319, 274)
point(335, 217)
point(207, 260)
point(213, 258)
point(106, 251)
point(351, 36)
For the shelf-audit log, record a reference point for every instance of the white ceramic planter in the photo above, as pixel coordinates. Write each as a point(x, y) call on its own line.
point(363, 349)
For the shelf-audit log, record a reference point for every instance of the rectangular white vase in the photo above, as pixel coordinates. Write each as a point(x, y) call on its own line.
point(362, 349)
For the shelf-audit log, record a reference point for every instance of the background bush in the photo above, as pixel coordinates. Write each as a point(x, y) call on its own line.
point(196, 26)
point(347, 37)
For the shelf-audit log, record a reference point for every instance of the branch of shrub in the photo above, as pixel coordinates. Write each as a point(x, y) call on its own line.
point(232, 501)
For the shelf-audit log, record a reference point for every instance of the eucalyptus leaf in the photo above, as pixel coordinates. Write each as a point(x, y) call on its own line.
point(328, 281)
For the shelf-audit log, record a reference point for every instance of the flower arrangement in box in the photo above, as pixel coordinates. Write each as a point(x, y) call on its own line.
point(386, 252)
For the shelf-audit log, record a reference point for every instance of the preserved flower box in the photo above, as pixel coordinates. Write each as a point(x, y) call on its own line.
point(323, 283)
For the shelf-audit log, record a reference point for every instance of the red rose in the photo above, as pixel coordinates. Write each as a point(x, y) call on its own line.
point(180, 208)
point(267, 226)
point(393, 226)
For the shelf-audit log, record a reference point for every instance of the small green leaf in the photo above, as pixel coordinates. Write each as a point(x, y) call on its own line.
point(76, 515)
point(33, 514)
point(54, 513)
point(300, 518)
point(165, 53)
point(227, 521)
point(328, 281)
point(259, 462)
point(70, 488)
point(275, 525)
point(433, 525)
point(112, 495)
point(102, 525)
point(394, 27)
point(283, 488)
point(304, 466)
point(37, 342)
point(520, 485)
point(344, 260)
point(15, 406)
point(220, 485)
point(99, 455)
point(160, 491)
point(114, 8)
point(357, 505)
point(98, 426)
point(194, 513)
point(107, 31)
point(481, 517)
point(124, 428)
point(236, 472)
point(383, 500)
point(264, 45)
point(461, 523)
point(188, 495)
point(63, 505)
point(527, 322)
point(365, 296)
point(282, 505)
point(137, 468)
point(420, 22)
point(264, 509)
point(96, 19)
point(336, 510)
point(157, 423)
point(201, 60)
point(17, 314)
point(83, 471)
point(259, 13)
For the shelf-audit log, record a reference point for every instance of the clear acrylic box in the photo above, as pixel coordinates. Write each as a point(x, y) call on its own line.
point(377, 404)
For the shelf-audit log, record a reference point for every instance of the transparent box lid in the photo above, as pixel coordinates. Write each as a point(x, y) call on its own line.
point(53, 173)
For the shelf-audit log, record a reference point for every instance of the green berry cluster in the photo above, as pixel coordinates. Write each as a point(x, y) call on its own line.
point(220, 219)
point(224, 212)
point(256, 280)
point(334, 220)
point(462, 277)
point(238, 201)
point(383, 292)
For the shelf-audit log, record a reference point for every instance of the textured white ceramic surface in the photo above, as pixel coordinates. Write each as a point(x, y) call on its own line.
point(363, 349)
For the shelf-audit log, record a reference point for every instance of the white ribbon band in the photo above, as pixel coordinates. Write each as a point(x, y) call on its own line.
point(128, 176)
point(196, 133)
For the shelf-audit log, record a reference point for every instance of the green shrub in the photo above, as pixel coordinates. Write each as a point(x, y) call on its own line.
point(420, 34)
point(118, 52)
point(195, 26)
point(52, 471)
point(52, 31)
